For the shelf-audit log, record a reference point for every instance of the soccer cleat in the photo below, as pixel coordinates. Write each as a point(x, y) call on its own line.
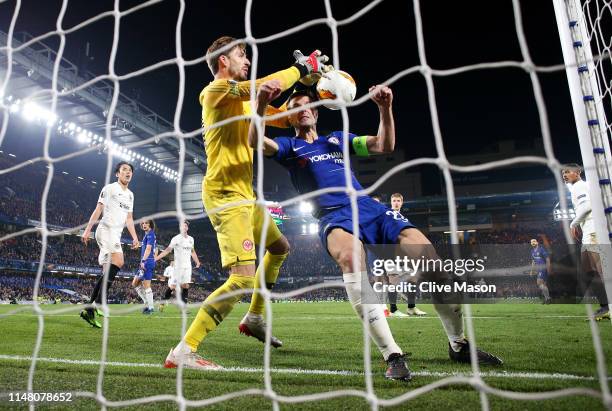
point(191, 360)
point(416, 311)
point(148, 311)
point(256, 327)
point(161, 308)
point(399, 314)
point(89, 316)
point(397, 369)
point(602, 314)
point(463, 355)
point(99, 312)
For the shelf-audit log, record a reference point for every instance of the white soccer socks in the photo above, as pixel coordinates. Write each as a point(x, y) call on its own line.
point(146, 294)
point(371, 313)
point(149, 298)
point(140, 290)
point(452, 320)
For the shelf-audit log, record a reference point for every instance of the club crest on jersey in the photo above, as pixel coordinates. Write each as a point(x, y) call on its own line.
point(334, 140)
point(247, 245)
point(397, 215)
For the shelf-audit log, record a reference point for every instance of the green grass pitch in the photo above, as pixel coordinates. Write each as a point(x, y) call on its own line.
point(533, 339)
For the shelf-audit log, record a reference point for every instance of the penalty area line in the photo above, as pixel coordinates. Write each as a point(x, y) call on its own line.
point(296, 371)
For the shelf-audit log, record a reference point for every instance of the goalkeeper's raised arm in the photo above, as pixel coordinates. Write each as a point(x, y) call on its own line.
point(233, 66)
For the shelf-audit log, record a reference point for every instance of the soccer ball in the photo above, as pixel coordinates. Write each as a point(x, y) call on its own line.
point(336, 84)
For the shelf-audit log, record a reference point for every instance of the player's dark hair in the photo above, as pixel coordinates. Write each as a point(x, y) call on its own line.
point(377, 197)
point(151, 223)
point(572, 167)
point(301, 90)
point(213, 62)
point(121, 163)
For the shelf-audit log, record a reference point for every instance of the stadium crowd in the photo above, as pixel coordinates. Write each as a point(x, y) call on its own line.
point(18, 287)
point(68, 201)
point(70, 204)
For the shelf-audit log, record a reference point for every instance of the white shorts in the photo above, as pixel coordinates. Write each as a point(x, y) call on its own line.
point(589, 238)
point(589, 243)
point(180, 276)
point(109, 242)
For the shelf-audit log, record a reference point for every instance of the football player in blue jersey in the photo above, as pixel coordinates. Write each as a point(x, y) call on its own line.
point(142, 282)
point(316, 162)
point(540, 265)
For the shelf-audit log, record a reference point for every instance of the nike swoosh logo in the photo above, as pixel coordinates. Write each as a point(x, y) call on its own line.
point(298, 149)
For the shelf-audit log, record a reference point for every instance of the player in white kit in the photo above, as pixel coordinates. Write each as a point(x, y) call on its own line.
point(115, 204)
point(583, 230)
point(183, 246)
point(171, 285)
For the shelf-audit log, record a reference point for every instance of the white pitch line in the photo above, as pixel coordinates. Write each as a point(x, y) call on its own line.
point(438, 374)
point(331, 318)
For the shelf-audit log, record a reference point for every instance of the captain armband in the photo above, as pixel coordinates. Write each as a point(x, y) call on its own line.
point(360, 146)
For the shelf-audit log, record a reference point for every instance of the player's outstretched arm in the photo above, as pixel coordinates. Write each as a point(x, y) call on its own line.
point(195, 258)
point(132, 230)
point(384, 141)
point(267, 92)
point(241, 90)
point(163, 253)
point(92, 220)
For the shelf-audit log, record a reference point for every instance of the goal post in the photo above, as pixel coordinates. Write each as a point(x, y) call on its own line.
point(590, 117)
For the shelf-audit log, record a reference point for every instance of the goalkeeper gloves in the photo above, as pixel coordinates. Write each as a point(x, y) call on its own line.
point(309, 64)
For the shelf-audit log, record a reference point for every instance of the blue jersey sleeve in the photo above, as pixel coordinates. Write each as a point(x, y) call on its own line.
point(284, 148)
point(544, 253)
point(143, 246)
point(340, 136)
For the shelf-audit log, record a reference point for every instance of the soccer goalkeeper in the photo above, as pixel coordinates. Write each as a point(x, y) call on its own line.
point(228, 180)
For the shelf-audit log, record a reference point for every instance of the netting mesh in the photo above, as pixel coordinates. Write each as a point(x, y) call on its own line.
point(598, 15)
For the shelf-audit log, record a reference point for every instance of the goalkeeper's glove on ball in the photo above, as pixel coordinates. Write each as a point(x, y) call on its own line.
point(312, 63)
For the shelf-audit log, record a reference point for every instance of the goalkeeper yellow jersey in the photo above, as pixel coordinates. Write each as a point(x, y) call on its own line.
point(230, 158)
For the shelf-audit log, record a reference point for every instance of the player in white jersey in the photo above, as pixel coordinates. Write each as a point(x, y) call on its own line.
point(583, 230)
point(171, 285)
point(115, 204)
point(183, 246)
point(169, 274)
